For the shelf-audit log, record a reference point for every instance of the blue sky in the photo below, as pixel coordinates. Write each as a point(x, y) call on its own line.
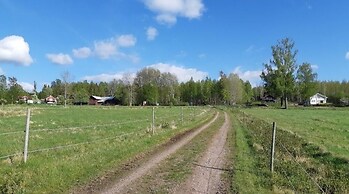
point(102, 40)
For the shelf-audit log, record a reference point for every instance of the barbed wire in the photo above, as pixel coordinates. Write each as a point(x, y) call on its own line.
point(301, 167)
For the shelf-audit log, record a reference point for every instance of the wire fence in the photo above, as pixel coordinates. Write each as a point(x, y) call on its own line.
point(295, 172)
point(301, 167)
point(178, 117)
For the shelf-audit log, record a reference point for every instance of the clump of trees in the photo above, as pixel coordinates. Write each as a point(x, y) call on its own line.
point(283, 78)
point(9, 92)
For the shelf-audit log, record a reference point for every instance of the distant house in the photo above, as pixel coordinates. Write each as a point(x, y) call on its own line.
point(97, 100)
point(318, 99)
point(51, 100)
point(23, 99)
point(268, 98)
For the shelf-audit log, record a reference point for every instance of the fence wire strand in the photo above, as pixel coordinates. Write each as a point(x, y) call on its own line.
point(301, 167)
point(177, 117)
point(77, 127)
point(284, 172)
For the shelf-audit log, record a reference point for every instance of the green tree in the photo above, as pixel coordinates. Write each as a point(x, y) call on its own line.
point(278, 75)
point(248, 94)
point(147, 80)
point(306, 81)
point(45, 92)
point(15, 90)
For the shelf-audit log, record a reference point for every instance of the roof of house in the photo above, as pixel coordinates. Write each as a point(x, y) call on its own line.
point(320, 95)
point(102, 99)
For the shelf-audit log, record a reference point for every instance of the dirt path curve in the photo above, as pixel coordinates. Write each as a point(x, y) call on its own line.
point(206, 175)
point(122, 184)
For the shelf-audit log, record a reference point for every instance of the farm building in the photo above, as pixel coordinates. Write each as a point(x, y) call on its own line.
point(318, 99)
point(51, 100)
point(97, 100)
point(268, 98)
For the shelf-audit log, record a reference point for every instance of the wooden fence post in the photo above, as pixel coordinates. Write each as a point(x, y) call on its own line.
point(26, 138)
point(272, 151)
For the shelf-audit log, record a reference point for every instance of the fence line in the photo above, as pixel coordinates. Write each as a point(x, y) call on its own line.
point(83, 127)
point(8, 156)
point(77, 144)
point(70, 145)
point(294, 159)
point(285, 174)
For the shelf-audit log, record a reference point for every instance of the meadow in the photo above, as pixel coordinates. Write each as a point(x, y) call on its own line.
point(327, 128)
point(71, 146)
point(311, 154)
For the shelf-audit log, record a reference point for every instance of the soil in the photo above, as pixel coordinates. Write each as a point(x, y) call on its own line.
point(121, 185)
point(206, 177)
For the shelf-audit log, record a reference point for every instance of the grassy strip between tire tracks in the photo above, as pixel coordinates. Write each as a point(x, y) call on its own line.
point(178, 167)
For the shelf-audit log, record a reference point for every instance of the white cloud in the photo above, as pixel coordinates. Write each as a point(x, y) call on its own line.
point(347, 55)
point(60, 59)
point(252, 76)
point(166, 19)
point(127, 40)
point(81, 53)
point(168, 10)
point(105, 49)
point(314, 67)
point(183, 74)
point(103, 77)
point(27, 86)
point(1, 71)
point(152, 33)
point(13, 49)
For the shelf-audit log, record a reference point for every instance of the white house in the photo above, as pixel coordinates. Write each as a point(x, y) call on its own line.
point(318, 99)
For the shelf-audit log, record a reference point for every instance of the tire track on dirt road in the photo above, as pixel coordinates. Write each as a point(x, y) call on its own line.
point(206, 177)
point(121, 185)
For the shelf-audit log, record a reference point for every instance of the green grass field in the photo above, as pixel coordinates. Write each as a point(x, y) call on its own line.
point(326, 128)
point(70, 146)
point(311, 154)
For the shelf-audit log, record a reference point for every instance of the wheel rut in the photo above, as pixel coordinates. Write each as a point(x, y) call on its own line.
point(122, 184)
point(206, 176)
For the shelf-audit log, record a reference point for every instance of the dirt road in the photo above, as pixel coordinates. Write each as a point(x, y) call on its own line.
point(121, 185)
point(206, 177)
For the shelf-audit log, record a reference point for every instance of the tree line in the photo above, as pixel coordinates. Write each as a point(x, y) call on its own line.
point(149, 85)
point(282, 78)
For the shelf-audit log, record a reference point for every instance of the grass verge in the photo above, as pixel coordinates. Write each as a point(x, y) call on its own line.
point(246, 175)
point(300, 166)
